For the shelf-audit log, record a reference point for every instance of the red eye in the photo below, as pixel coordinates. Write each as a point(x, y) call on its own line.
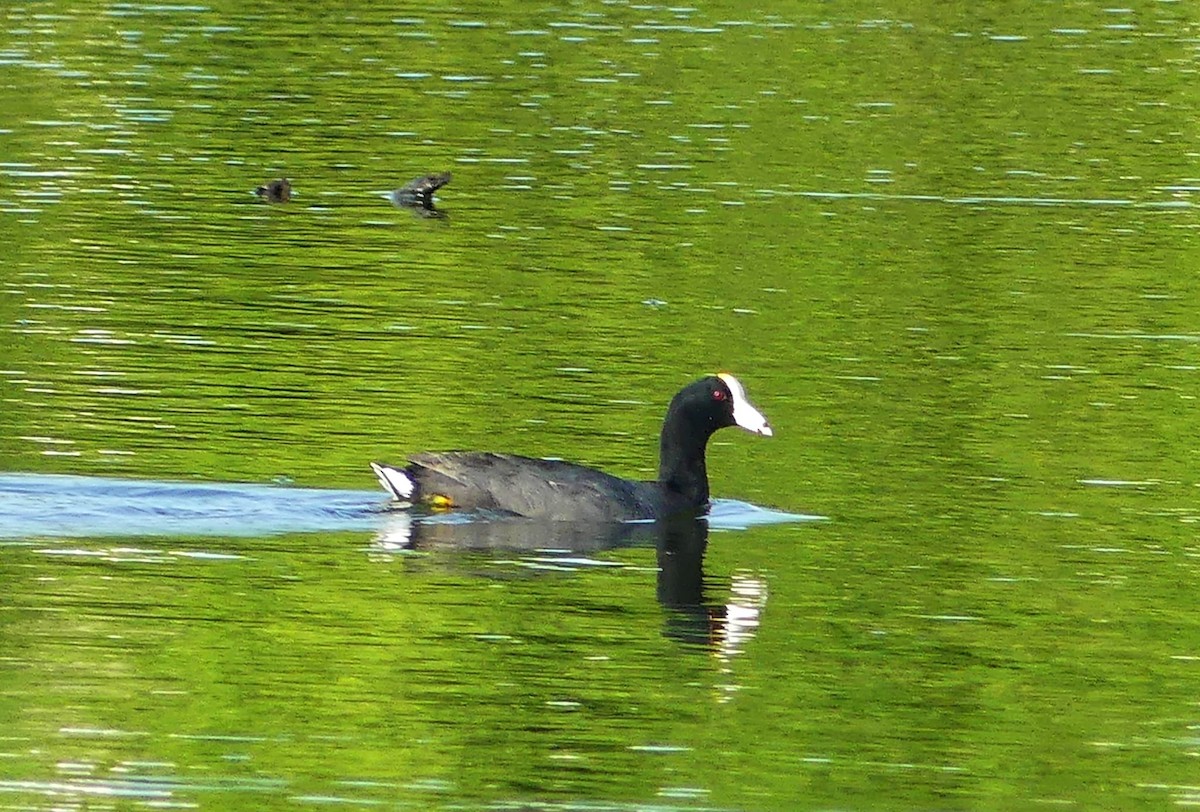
point(718, 394)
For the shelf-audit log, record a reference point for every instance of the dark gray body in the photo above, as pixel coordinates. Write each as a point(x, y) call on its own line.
point(418, 192)
point(276, 191)
point(564, 491)
point(544, 489)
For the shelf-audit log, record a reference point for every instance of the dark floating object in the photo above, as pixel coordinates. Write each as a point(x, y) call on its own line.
point(417, 194)
point(276, 191)
point(564, 491)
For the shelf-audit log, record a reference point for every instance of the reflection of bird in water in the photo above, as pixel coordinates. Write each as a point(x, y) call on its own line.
point(417, 194)
point(409, 532)
point(694, 617)
point(276, 191)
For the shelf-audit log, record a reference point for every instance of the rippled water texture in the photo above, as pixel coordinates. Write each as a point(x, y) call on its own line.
point(950, 250)
point(55, 506)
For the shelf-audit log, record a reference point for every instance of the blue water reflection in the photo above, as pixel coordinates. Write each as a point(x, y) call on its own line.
point(56, 506)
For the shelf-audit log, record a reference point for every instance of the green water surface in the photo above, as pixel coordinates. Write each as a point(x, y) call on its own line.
point(950, 249)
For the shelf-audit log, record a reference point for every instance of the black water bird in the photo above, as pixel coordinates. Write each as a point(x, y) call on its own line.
point(417, 194)
point(564, 491)
point(275, 191)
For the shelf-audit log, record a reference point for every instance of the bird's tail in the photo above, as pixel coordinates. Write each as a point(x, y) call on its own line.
point(395, 481)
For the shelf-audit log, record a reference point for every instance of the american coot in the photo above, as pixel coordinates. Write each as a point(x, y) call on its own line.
point(276, 191)
point(417, 194)
point(551, 489)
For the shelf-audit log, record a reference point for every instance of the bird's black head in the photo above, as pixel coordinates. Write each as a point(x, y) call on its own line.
point(719, 401)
